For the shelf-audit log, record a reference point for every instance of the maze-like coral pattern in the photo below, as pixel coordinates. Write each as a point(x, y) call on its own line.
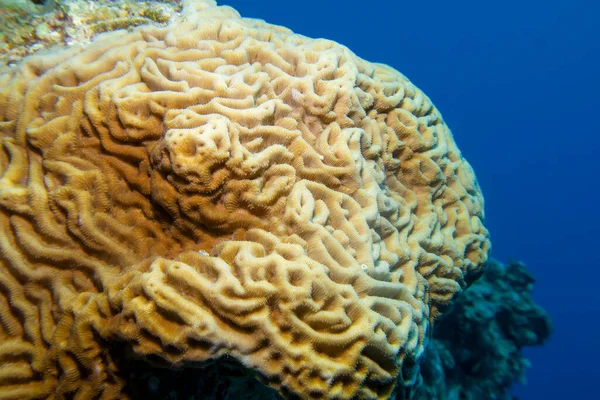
point(218, 187)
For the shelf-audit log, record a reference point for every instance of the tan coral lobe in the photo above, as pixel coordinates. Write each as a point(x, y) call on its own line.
point(224, 186)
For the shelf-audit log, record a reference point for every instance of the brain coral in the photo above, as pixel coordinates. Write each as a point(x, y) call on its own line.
point(223, 186)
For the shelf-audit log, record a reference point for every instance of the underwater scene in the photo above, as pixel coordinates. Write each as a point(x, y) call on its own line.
point(257, 199)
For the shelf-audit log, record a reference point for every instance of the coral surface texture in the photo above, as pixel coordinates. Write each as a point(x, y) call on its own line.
point(224, 187)
point(475, 353)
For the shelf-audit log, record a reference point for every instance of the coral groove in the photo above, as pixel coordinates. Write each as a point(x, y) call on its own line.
point(218, 187)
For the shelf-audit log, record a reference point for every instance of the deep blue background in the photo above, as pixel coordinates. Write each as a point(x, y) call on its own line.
point(518, 83)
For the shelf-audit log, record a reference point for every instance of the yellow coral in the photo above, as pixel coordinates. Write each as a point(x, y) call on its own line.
point(224, 186)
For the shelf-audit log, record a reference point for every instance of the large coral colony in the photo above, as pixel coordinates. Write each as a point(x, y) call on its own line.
point(224, 187)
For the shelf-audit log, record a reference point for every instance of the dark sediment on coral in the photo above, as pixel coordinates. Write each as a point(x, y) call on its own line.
point(475, 352)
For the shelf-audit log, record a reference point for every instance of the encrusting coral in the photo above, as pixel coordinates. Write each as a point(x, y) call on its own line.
point(476, 351)
point(223, 186)
point(28, 27)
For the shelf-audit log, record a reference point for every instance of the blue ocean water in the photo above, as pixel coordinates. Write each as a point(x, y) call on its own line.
point(518, 83)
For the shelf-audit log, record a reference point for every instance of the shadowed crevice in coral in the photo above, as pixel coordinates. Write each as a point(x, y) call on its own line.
point(222, 379)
